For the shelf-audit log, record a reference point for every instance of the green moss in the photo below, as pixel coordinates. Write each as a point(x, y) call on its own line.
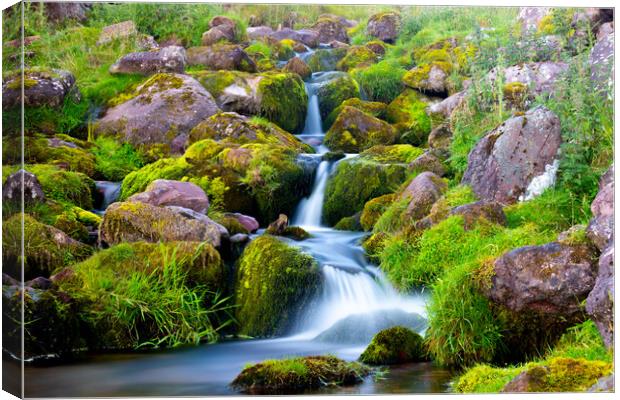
point(351, 223)
point(44, 252)
point(484, 378)
point(397, 153)
point(395, 345)
point(149, 295)
point(376, 109)
point(216, 81)
point(274, 281)
point(326, 59)
point(113, 160)
point(283, 100)
point(515, 93)
point(373, 245)
point(166, 168)
point(354, 131)
point(373, 209)
point(357, 56)
point(408, 113)
point(333, 93)
point(298, 375)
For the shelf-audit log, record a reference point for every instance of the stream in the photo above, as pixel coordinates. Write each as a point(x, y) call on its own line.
point(355, 303)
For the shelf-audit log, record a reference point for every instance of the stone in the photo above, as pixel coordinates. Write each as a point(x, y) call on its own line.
point(167, 59)
point(491, 211)
point(384, 26)
point(221, 57)
point(601, 62)
point(440, 137)
point(121, 30)
point(163, 192)
point(552, 279)
point(605, 29)
point(604, 384)
point(601, 226)
point(217, 34)
point(529, 18)
point(354, 131)
point(329, 29)
point(600, 301)
point(428, 162)
point(278, 227)
point(41, 88)
point(428, 78)
point(422, 192)
point(248, 222)
point(165, 107)
point(12, 188)
point(298, 66)
point(538, 78)
point(61, 11)
point(446, 107)
point(503, 163)
point(258, 32)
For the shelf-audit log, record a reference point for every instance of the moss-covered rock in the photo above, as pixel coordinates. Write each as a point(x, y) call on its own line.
point(274, 282)
point(283, 100)
point(356, 57)
point(374, 108)
point(358, 180)
point(394, 345)
point(351, 223)
point(354, 131)
point(298, 375)
point(331, 94)
point(46, 248)
point(326, 59)
point(298, 66)
point(408, 114)
point(58, 184)
point(374, 244)
point(373, 209)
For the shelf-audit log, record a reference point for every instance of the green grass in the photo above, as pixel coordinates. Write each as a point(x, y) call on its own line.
point(380, 82)
point(113, 160)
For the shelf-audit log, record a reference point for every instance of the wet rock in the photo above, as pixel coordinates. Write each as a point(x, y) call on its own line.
point(384, 26)
point(298, 66)
point(26, 181)
point(395, 345)
point(552, 279)
point(221, 57)
point(428, 162)
point(121, 30)
point(423, 191)
point(503, 163)
point(600, 301)
point(163, 192)
point(354, 131)
point(135, 222)
point(329, 29)
point(602, 63)
point(167, 59)
point(248, 222)
point(491, 211)
point(163, 108)
point(41, 88)
point(278, 226)
point(529, 18)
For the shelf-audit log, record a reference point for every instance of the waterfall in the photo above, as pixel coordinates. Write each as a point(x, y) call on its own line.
point(107, 193)
point(310, 209)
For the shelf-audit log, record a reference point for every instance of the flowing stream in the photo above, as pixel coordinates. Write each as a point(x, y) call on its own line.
point(356, 301)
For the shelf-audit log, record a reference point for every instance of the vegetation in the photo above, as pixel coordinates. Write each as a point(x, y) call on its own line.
point(394, 346)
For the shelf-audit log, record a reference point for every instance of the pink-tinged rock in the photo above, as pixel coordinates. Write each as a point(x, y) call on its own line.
point(248, 222)
point(162, 192)
point(45, 88)
point(446, 107)
point(221, 56)
point(600, 301)
point(602, 63)
point(167, 59)
point(504, 162)
point(529, 18)
point(423, 191)
point(384, 26)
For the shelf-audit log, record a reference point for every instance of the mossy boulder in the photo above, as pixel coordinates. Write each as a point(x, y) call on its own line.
point(374, 108)
point(384, 26)
point(351, 223)
point(274, 282)
point(373, 209)
point(429, 78)
point(298, 66)
point(298, 375)
point(221, 56)
point(408, 114)
point(360, 179)
point(357, 57)
point(46, 248)
point(326, 59)
point(354, 131)
point(330, 28)
point(332, 93)
point(41, 87)
point(394, 345)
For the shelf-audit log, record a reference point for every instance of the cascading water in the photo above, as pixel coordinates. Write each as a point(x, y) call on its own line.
point(107, 192)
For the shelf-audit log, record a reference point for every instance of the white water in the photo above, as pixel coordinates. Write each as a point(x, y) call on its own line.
point(109, 192)
point(352, 287)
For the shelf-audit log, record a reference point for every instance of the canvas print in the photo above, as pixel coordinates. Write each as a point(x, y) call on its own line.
point(205, 199)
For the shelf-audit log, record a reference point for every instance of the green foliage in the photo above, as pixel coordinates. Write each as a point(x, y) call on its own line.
point(376, 109)
point(408, 112)
point(394, 345)
point(166, 168)
point(356, 57)
point(484, 378)
point(274, 281)
point(149, 295)
point(284, 100)
point(582, 341)
point(553, 211)
point(381, 81)
point(334, 92)
point(297, 375)
point(115, 160)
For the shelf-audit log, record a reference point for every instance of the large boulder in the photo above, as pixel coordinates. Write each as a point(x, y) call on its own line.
point(41, 88)
point(601, 226)
point(602, 63)
point(600, 301)
point(429, 78)
point(162, 111)
point(274, 282)
point(329, 29)
point(167, 59)
point(135, 222)
point(22, 182)
point(530, 17)
point(503, 163)
point(552, 279)
point(332, 93)
point(221, 57)
point(384, 26)
point(163, 192)
point(533, 78)
point(422, 192)
point(355, 131)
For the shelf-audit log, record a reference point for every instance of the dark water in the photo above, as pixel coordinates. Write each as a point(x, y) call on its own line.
point(208, 369)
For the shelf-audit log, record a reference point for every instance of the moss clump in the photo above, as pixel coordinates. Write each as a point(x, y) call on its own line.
point(354, 131)
point(283, 100)
point(57, 184)
point(333, 93)
point(484, 378)
point(418, 77)
point(395, 345)
point(408, 113)
point(166, 168)
point(382, 81)
point(274, 281)
point(357, 56)
point(76, 222)
point(373, 209)
point(216, 81)
point(326, 59)
point(298, 375)
point(373, 245)
point(351, 223)
point(114, 160)
point(397, 153)
point(515, 93)
point(374, 108)
point(46, 249)
point(149, 295)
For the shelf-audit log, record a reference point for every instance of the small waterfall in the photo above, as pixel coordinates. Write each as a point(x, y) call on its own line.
point(310, 209)
point(107, 193)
